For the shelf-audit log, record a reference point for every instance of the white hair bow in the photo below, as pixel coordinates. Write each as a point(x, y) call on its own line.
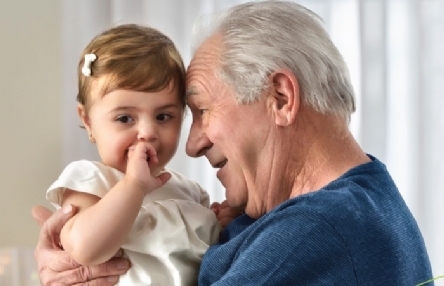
point(89, 58)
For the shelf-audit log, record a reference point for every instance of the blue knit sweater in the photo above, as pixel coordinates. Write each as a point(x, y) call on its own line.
point(355, 231)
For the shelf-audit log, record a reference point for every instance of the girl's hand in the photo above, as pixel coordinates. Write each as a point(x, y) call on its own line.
point(224, 213)
point(137, 169)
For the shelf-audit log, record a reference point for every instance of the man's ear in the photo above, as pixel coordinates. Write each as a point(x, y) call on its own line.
point(83, 115)
point(284, 97)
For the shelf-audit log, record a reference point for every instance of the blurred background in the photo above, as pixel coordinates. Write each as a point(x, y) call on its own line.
point(395, 53)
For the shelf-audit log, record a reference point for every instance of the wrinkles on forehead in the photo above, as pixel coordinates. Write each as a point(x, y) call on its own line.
point(201, 78)
point(198, 79)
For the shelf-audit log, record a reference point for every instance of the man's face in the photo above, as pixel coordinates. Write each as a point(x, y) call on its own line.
point(226, 132)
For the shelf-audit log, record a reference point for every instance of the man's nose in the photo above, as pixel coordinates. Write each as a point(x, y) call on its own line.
point(147, 132)
point(197, 142)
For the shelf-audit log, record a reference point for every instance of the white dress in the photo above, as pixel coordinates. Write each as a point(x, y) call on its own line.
point(173, 230)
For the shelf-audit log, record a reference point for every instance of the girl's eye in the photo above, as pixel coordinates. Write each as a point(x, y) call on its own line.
point(163, 117)
point(125, 119)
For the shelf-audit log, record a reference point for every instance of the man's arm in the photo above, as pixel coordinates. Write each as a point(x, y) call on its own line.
point(55, 266)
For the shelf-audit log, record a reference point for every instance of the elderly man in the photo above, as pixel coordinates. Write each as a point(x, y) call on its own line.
point(271, 100)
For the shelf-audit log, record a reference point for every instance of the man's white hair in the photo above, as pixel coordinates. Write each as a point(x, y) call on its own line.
point(259, 38)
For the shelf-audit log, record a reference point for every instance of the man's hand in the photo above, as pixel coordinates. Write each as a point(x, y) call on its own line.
point(224, 213)
point(56, 267)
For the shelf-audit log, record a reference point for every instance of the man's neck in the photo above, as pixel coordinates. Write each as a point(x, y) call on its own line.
point(324, 151)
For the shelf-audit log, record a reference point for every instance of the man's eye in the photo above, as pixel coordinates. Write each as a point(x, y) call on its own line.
point(202, 111)
point(125, 119)
point(163, 117)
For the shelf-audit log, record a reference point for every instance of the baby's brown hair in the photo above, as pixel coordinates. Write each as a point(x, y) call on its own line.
point(132, 57)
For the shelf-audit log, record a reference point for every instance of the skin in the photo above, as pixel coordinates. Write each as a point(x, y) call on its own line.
point(224, 213)
point(56, 267)
point(120, 119)
point(264, 166)
point(267, 152)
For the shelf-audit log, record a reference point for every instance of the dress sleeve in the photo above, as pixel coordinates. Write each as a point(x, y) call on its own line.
point(204, 198)
point(83, 176)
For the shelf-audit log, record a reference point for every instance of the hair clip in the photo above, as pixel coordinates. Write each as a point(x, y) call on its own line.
point(89, 58)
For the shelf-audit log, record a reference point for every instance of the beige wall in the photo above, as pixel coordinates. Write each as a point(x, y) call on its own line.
point(30, 115)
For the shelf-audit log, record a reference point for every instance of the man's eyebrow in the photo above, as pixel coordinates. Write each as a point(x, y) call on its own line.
point(191, 91)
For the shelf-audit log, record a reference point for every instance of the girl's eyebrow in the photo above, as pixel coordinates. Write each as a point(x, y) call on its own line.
point(122, 108)
point(132, 108)
point(170, 105)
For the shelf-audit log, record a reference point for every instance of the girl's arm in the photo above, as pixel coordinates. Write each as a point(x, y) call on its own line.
point(97, 232)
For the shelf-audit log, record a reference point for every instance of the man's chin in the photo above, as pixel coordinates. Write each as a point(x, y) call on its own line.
point(234, 202)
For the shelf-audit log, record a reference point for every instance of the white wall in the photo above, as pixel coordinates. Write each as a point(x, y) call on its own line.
point(30, 115)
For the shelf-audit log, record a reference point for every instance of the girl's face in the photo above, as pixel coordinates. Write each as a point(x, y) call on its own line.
point(122, 118)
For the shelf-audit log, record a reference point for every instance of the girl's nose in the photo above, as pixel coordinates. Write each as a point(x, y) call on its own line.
point(147, 132)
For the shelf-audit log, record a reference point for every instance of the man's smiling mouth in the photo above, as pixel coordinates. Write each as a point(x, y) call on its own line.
point(220, 165)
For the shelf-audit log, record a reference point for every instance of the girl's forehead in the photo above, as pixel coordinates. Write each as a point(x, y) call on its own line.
point(119, 96)
point(100, 85)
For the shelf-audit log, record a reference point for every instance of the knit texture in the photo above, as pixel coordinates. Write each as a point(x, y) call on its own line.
point(355, 231)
